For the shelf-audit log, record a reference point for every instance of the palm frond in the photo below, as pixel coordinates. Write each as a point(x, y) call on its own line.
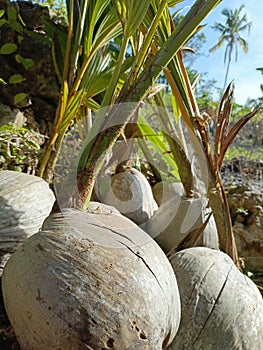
point(230, 136)
point(218, 45)
point(243, 44)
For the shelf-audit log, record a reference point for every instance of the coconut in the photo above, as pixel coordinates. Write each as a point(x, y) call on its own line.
point(165, 190)
point(176, 218)
point(130, 192)
point(25, 202)
point(221, 307)
point(91, 281)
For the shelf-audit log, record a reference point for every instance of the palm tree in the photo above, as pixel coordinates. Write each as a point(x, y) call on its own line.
point(236, 22)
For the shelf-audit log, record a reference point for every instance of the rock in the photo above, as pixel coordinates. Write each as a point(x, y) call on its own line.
point(246, 209)
point(39, 81)
point(11, 116)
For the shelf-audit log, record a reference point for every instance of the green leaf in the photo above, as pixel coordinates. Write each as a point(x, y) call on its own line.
point(11, 13)
point(173, 3)
point(26, 62)
point(20, 97)
point(64, 97)
point(131, 13)
point(6, 127)
point(2, 81)
point(13, 20)
point(15, 26)
point(71, 110)
point(58, 36)
point(109, 28)
point(156, 142)
point(2, 13)
point(15, 79)
point(8, 48)
point(2, 22)
point(20, 38)
point(93, 105)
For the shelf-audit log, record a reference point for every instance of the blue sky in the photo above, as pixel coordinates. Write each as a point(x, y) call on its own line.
point(247, 79)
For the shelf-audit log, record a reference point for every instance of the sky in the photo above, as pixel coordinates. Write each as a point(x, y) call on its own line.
point(246, 78)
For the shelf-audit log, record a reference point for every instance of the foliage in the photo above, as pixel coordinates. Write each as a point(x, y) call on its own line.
point(19, 148)
point(122, 18)
point(11, 18)
point(261, 70)
point(57, 7)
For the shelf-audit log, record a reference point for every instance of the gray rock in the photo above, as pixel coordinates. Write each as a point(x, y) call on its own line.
point(246, 209)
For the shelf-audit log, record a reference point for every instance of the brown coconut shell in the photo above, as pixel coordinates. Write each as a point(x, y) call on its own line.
point(130, 192)
point(25, 202)
point(221, 307)
point(91, 281)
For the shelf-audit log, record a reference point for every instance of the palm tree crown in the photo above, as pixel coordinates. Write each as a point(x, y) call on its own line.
point(230, 33)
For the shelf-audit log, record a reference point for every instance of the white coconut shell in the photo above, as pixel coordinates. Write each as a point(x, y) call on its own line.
point(165, 190)
point(221, 307)
point(178, 216)
point(209, 237)
point(25, 202)
point(131, 194)
point(91, 281)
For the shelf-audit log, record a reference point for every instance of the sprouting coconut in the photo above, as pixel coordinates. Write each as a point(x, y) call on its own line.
point(91, 281)
point(221, 307)
point(165, 190)
point(176, 218)
point(130, 192)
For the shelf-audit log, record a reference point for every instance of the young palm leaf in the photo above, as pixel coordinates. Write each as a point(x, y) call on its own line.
point(92, 25)
point(93, 159)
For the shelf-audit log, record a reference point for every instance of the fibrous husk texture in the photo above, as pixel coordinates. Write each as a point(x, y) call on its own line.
point(91, 281)
point(25, 202)
point(221, 307)
point(176, 218)
point(165, 190)
point(131, 194)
